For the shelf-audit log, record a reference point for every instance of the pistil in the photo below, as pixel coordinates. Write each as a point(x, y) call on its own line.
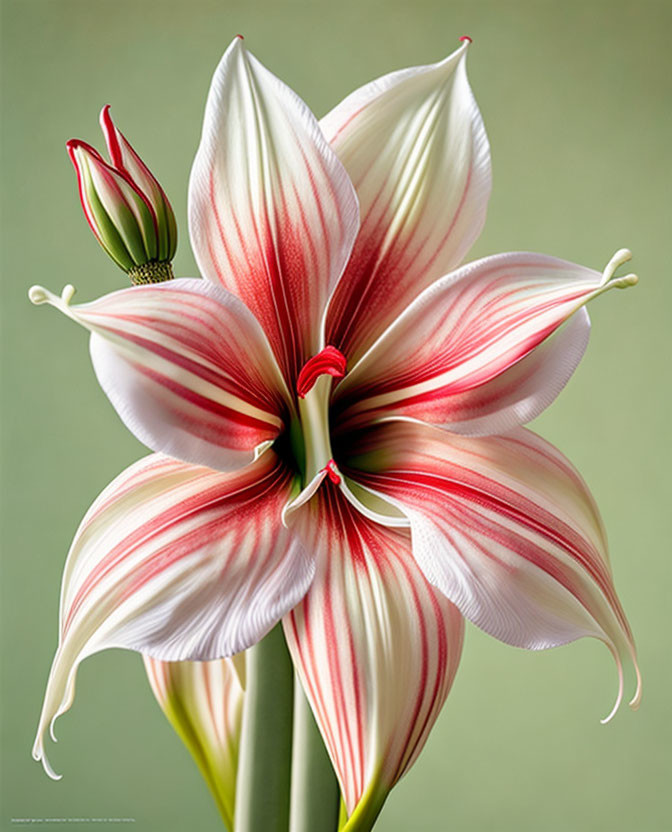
point(313, 390)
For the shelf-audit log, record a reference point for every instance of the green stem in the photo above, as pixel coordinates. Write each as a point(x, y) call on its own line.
point(367, 810)
point(262, 785)
point(315, 791)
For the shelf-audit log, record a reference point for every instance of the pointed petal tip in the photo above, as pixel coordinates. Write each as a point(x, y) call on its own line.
point(619, 696)
point(73, 145)
point(636, 700)
point(40, 757)
point(78, 144)
point(110, 133)
point(634, 703)
point(466, 39)
point(52, 732)
point(105, 121)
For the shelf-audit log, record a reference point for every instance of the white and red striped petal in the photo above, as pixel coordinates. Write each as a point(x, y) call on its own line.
point(376, 647)
point(272, 212)
point(203, 701)
point(416, 150)
point(506, 528)
point(187, 367)
point(474, 352)
point(177, 562)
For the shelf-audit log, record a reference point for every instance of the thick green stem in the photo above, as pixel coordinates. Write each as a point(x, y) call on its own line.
point(262, 785)
point(315, 790)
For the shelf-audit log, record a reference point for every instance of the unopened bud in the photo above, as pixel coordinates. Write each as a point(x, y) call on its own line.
point(127, 209)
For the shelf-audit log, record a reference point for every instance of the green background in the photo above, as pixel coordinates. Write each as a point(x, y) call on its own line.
point(576, 99)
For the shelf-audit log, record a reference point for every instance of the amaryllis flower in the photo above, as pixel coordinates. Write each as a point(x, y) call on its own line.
point(335, 412)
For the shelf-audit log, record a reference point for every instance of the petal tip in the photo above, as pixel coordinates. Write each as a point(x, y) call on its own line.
point(466, 39)
point(77, 144)
point(621, 684)
point(40, 757)
point(111, 138)
point(636, 700)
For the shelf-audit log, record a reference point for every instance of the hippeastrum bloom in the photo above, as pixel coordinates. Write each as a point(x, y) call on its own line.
point(335, 412)
point(127, 209)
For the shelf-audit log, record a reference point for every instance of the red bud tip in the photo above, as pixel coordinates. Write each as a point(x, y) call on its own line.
point(111, 138)
point(74, 144)
point(466, 37)
point(240, 36)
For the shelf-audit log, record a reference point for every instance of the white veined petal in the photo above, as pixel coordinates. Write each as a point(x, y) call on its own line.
point(416, 150)
point(178, 562)
point(272, 213)
point(506, 528)
point(187, 367)
point(369, 619)
point(479, 351)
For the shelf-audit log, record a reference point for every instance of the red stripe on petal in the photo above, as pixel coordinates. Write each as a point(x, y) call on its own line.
point(488, 331)
point(189, 563)
point(505, 527)
point(414, 145)
point(275, 225)
point(189, 370)
point(369, 613)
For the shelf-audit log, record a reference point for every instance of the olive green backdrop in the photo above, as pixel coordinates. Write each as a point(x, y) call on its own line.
point(576, 99)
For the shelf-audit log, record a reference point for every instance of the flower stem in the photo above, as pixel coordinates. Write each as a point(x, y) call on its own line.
point(315, 791)
point(262, 786)
point(366, 812)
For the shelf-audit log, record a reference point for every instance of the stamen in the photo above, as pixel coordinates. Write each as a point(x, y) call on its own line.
point(39, 295)
point(622, 256)
point(328, 361)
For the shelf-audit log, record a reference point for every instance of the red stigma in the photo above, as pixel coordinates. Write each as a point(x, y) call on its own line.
point(328, 361)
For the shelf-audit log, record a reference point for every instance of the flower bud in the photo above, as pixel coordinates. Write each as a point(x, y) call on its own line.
point(204, 703)
point(127, 209)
